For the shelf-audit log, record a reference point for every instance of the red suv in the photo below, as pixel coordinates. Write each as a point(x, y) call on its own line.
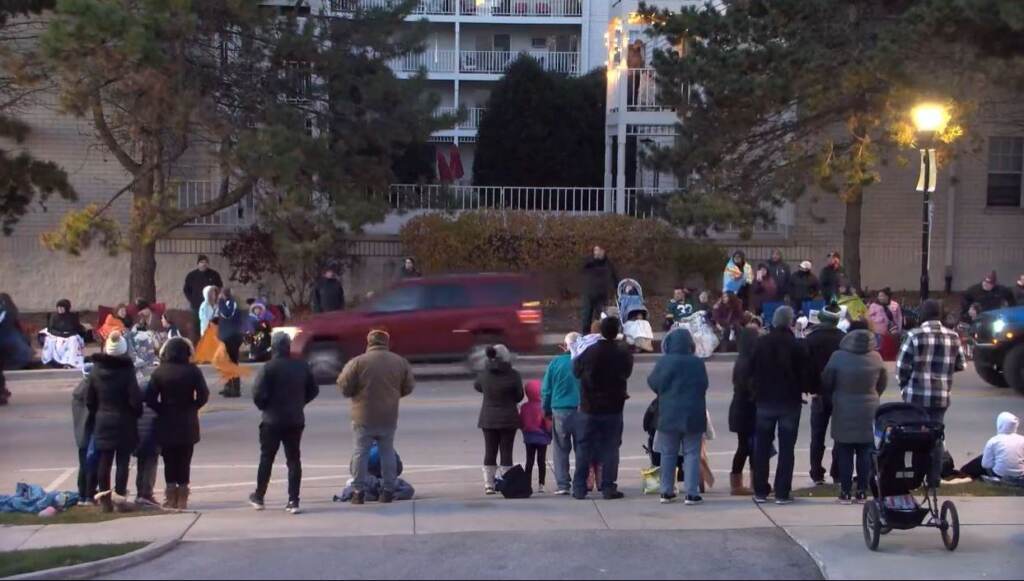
point(442, 318)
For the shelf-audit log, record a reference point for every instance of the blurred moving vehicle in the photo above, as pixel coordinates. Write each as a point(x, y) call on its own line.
point(999, 347)
point(444, 318)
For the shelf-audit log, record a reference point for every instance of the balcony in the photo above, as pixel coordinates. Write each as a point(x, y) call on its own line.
point(472, 120)
point(496, 62)
point(192, 193)
point(434, 61)
point(470, 8)
point(642, 93)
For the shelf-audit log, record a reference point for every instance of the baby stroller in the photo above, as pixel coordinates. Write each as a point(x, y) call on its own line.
point(705, 340)
point(636, 328)
point(904, 440)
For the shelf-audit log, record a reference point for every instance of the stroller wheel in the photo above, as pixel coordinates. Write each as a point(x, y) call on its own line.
point(872, 522)
point(949, 525)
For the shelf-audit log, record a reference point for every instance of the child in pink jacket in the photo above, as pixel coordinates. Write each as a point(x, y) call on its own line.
point(536, 433)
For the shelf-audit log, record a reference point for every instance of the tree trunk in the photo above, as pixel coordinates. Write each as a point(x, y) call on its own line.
point(143, 272)
point(851, 239)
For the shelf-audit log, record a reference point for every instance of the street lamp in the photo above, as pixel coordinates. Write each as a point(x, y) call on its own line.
point(929, 120)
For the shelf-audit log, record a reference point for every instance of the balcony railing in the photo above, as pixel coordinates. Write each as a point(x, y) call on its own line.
point(510, 8)
point(434, 61)
point(192, 193)
point(642, 91)
point(497, 62)
point(457, 198)
point(473, 117)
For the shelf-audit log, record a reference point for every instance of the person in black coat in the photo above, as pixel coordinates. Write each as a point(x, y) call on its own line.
point(599, 282)
point(989, 294)
point(282, 390)
point(779, 371)
point(742, 410)
point(147, 456)
point(200, 278)
point(231, 332)
point(830, 275)
point(603, 370)
point(328, 294)
point(115, 400)
point(502, 388)
point(84, 423)
point(177, 391)
point(822, 342)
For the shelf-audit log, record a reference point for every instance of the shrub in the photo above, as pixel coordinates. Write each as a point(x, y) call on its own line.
point(553, 247)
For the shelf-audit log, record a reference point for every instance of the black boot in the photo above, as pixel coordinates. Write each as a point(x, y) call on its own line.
point(235, 388)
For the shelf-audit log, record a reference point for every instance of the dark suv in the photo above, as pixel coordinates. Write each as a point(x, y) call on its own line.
point(999, 347)
point(444, 318)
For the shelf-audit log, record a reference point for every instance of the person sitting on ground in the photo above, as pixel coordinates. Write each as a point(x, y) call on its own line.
point(117, 320)
point(705, 302)
point(680, 383)
point(143, 340)
point(764, 290)
point(282, 390)
point(502, 388)
point(728, 318)
point(678, 308)
point(1004, 453)
point(375, 381)
point(64, 338)
point(171, 331)
point(855, 377)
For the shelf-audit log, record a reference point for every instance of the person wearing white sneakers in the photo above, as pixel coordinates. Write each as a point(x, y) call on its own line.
point(282, 390)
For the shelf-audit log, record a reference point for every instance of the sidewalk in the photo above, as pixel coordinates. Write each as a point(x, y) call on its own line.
point(992, 537)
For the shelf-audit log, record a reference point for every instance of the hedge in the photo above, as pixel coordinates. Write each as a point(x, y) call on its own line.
point(554, 246)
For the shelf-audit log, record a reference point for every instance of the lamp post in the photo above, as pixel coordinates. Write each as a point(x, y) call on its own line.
point(929, 119)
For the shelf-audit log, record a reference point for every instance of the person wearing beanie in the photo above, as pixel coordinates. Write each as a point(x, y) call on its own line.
point(203, 276)
point(502, 388)
point(778, 369)
point(929, 357)
point(375, 382)
point(803, 286)
point(177, 391)
point(281, 391)
point(114, 399)
point(822, 341)
point(560, 400)
point(603, 371)
point(989, 294)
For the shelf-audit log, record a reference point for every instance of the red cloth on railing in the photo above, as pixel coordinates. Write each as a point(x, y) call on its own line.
point(444, 171)
point(456, 164)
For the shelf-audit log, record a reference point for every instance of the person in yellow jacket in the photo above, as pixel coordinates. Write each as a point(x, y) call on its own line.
point(848, 297)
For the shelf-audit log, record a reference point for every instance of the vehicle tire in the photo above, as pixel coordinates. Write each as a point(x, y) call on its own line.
point(990, 375)
point(1013, 368)
point(476, 359)
point(949, 521)
point(872, 523)
point(326, 360)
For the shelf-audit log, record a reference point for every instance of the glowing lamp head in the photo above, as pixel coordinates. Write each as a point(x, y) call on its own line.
point(930, 117)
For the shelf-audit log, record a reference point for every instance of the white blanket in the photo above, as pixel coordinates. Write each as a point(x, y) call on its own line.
point(65, 351)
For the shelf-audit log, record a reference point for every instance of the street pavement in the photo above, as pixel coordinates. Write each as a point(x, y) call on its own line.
point(467, 535)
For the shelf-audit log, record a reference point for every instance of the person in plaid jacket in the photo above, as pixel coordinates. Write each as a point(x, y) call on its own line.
point(930, 355)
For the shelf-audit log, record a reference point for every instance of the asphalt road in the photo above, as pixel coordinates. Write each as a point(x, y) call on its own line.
point(437, 438)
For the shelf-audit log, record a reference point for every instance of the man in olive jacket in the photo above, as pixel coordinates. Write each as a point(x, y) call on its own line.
point(375, 382)
point(282, 390)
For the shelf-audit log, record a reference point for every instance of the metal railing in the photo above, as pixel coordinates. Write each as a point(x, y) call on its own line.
point(511, 8)
point(642, 91)
point(458, 198)
point(434, 61)
point(474, 115)
point(497, 62)
point(192, 193)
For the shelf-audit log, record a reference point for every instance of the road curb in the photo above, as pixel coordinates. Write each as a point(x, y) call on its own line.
point(113, 564)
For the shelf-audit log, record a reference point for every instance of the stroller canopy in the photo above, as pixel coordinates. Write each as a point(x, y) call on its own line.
point(630, 302)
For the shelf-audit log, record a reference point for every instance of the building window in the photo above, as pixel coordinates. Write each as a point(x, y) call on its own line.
point(539, 43)
point(1005, 172)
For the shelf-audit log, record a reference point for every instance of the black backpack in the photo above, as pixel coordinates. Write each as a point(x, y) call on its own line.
point(514, 484)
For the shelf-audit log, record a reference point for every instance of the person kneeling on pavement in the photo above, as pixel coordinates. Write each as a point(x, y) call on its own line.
point(282, 390)
point(375, 382)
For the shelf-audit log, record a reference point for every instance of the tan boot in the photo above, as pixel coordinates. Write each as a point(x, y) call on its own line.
point(171, 497)
point(736, 486)
point(183, 497)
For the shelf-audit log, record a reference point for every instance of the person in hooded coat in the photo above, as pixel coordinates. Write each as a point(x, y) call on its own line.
point(177, 391)
point(230, 331)
point(502, 388)
point(738, 277)
point(118, 320)
point(84, 423)
point(1003, 456)
point(15, 350)
point(680, 382)
point(259, 332)
point(743, 411)
point(536, 433)
point(856, 377)
point(209, 344)
point(115, 400)
point(64, 338)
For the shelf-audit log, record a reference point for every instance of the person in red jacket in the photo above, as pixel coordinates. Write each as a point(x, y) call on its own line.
point(536, 433)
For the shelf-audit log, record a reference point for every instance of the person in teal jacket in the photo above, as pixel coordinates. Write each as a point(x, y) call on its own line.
point(560, 398)
point(680, 381)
